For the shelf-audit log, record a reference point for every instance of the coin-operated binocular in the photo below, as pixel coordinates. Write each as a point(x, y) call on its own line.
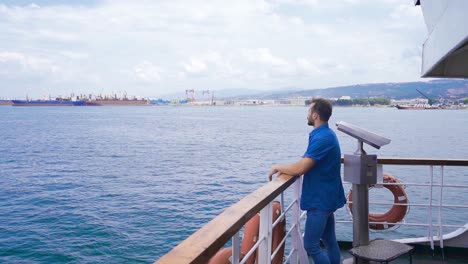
point(360, 169)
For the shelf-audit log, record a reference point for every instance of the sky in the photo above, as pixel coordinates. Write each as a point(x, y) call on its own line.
point(149, 48)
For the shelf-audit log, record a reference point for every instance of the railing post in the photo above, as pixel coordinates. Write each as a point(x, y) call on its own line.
point(300, 255)
point(235, 248)
point(441, 233)
point(265, 233)
point(429, 215)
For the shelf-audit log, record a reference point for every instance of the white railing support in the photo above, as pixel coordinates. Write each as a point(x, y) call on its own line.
point(235, 248)
point(429, 215)
point(265, 233)
point(296, 235)
point(441, 233)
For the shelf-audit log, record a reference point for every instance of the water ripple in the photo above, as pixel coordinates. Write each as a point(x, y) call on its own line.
point(124, 185)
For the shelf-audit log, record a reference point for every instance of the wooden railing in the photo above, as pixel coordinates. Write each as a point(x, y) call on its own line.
point(204, 243)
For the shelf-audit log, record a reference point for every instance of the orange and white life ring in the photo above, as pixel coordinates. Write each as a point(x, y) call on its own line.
point(251, 230)
point(279, 231)
point(222, 256)
point(398, 211)
point(252, 227)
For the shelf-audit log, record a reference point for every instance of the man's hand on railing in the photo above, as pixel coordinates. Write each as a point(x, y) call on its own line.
point(272, 172)
point(294, 169)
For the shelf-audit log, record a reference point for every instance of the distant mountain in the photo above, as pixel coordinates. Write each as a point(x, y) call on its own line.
point(443, 88)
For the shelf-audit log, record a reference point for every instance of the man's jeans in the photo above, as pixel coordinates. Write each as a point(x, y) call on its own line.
point(321, 225)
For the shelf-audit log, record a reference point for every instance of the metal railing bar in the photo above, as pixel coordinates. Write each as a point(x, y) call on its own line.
point(282, 215)
point(290, 229)
point(424, 205)
point(282, 202)
point(418, 184)
point(451, 186)
point(252, 250)
point(290, 206)
point(454, 226)
point(235, 248)
point(278, 247)
point(451, 205)
point(424, 184)
point(303, 214)
point(284, 239)
point(264, 250)
point(256, 245)
point(441, 242)
point(420, 161)
point(401, 224)
point(289, 256)
point(429, 215)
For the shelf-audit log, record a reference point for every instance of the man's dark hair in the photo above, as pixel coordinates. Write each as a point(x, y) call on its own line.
point(323, 108)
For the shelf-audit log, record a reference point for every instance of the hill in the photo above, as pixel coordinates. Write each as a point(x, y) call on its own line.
point(443, 88)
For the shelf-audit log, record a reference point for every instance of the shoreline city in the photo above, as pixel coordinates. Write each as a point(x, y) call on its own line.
point(344, 101)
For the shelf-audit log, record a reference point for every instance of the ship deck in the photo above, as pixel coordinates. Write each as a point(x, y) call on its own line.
point(205, 243)
point(421, 255)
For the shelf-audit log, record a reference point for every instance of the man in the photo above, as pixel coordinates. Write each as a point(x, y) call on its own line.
point(322, 190)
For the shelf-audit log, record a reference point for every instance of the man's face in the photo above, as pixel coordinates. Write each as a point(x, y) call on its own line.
point(311, 116)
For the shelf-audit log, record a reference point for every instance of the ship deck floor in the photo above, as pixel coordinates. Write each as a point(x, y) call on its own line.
point(421, 255)
point(417, 259)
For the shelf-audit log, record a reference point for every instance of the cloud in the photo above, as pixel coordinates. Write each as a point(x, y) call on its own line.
point(195, 66)
point(57, 36)
point(13, 61)
point(264, 56)
point(177, 44)
point(148, 72)
point(307, 67)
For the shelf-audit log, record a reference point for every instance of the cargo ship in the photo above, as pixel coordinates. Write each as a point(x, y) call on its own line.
point(417, 107)
point(122, 102)
point(82, 100)
point(420, 106)
point(57, 102)
point(113, 100)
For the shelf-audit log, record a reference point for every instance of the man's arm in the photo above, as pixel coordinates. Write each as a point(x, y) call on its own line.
point(294, 169)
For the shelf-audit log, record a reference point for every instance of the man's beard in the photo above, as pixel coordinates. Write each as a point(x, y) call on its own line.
point(311, 122)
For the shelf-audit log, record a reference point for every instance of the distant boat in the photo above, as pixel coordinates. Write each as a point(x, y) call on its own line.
point(6, 102)
point(47, 103)
point(159, 102)
point(417, 107)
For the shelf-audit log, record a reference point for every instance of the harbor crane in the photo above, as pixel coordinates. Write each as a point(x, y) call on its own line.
point(430, 101)
point(190, 95)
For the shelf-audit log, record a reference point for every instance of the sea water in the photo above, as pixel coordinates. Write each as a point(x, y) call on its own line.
point(126, 184)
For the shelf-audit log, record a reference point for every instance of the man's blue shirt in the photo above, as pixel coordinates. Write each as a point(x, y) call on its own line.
point(322, 188)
